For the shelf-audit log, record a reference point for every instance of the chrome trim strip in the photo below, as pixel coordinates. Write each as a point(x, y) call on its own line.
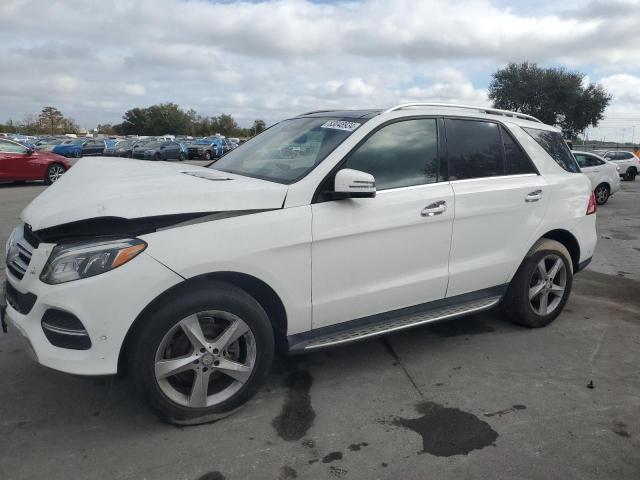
point(519, 175)
point(19, 264)
point(64, 331)
point(479, 307)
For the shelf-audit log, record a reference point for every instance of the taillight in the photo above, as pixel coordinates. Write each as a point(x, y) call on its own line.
point(591, 208)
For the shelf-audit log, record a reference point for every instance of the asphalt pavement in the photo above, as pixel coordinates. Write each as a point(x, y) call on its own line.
point(474, 398)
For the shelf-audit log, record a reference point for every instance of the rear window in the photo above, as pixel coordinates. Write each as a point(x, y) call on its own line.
point(556, 147)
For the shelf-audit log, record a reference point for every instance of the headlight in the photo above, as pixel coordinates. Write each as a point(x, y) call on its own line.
point(87, 259)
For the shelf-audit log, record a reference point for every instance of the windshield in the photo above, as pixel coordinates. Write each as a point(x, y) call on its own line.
point(289, 150)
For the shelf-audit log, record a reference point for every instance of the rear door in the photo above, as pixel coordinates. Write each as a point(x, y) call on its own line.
point(499, 202)
point(374, 255)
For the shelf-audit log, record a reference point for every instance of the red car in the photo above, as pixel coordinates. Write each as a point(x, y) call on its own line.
point(18, 163)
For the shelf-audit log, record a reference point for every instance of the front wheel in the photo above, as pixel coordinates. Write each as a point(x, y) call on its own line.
point(54, 172)
point(181, 157)
point(541, 286)
point(602, 193)
point(631, 174)
point(202, 355)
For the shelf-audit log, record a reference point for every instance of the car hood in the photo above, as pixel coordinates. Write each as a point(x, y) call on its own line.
point(130, 189)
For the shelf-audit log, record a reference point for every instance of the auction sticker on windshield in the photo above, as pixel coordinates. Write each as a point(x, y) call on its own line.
point(340, 125)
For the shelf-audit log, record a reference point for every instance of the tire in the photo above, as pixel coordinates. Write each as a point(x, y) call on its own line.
point(77, 154)
point(181, 157)
point(207, 155)
point(54, 172)
point(173, 399)
point(518, 306)
point(631, 174)
point(157, 157)
point(602, 193)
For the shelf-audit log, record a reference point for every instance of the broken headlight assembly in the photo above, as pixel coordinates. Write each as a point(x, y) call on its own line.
point(86, 259)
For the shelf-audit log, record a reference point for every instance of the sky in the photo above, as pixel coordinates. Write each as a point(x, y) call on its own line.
point(95, 59)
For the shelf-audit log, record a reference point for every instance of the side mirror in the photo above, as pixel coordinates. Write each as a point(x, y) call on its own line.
point(354, 184)
point(30, 151)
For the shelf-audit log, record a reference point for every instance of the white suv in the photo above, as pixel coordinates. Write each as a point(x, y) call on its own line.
point(327, 228)
point(628, 163)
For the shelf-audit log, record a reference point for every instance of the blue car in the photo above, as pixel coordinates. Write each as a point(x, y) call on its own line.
point(79, 147)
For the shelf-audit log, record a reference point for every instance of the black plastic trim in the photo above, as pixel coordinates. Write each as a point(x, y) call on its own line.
point(306, 337)
point(21, 302)
point(583, 265)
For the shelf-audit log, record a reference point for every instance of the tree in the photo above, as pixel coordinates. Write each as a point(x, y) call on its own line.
point(553, 95)
point(259, 126)
point(51, 119)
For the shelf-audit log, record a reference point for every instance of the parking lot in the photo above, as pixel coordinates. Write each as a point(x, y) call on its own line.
point(472, 398)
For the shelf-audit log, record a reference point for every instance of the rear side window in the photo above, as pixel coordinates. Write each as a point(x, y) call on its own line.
point(516, 161)
point(474, 149)
point(556, 147)
point(400, 154)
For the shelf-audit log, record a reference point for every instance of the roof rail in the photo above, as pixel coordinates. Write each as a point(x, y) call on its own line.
point(493, 111)
point(318, 111)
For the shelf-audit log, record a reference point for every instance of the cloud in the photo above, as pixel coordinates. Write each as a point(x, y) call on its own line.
point(270, 59)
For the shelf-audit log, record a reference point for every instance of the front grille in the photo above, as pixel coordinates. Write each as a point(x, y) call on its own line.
point(20, 251)
point(21, 302)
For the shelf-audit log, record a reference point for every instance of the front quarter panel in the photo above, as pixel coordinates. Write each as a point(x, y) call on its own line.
point(272, 246)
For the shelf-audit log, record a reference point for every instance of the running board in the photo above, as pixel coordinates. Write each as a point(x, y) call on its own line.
point(316, 339)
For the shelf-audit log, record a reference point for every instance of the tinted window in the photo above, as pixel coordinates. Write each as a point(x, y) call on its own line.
point(400, 154)
point(625, 155)
point(556, 147)
point(474, 149)
point(516, 161)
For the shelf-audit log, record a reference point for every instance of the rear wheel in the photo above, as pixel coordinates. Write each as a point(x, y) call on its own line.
point(181, 157)
point(202, 355)
point(602, 193)
point(541, 286)
point(157, 157)
point(54, 172)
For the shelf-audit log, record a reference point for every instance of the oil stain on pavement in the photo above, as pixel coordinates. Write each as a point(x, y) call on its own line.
point(448, 431)
point(297, 414)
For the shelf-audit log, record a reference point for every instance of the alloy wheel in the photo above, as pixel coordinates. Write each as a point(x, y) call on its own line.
point(55, 172)
point(547, 284)
point(205, 359)
point(602, 194)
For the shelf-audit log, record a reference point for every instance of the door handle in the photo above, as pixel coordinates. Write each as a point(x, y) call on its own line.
point(435, 208)
point(595, 171)
point(533, 196)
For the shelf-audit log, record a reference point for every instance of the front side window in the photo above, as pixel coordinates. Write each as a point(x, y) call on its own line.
point(556, 147)
point(11, 147)
point(474, 149)
point(289, 150)
point(400, 154)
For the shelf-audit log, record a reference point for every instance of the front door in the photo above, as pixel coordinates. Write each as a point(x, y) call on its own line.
point(373, 255)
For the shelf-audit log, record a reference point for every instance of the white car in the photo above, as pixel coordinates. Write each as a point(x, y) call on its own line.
point(191, 277)
point(604, 176)
point(629, 164)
